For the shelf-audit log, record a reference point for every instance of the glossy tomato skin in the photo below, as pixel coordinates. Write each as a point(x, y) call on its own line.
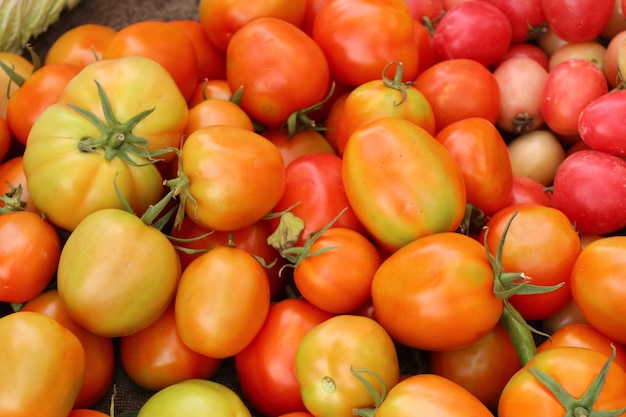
point(527, 190)
point(156, 357)
point(597, 286)
point(599, 123)
point(329, 353)
point(5, 139)
point(99, 353)
point(583, 180)
point(577, 21)
point(523, 16)
point(360, 38)
point(41, 359)
point(265, 367)
point(216, 111)
point(305, 142)
point(434, 395)
point(384, 166)
point(80, 45)
point(29, 254)
point(221, 303)
point(428, 314)
point(211, 61)
point(275, 86)
point(86, 412)
point(123, 288)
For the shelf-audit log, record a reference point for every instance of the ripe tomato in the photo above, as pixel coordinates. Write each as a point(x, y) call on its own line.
point(482, 155)
point(527, 190)
point(222, 300)
point(359, 38)
point(597, 288)
point(265, 368)
point(229, 202)
point(611, 55)
point(5, 139)
point(11, 177)
point(599, 123)
point(162, 42)
point(40, 359)
point(99, 354)
point(156, 357)
point(526, 18)
point(581, 23)
point(330, 352)
point(215, 111)
point(85, 412)
point(211, 61)
point(592, 51)
point(424, 42)
point(116, 274)
point(21, 66)
point(428, 314)
point(460, 88)
point(275, 87)
point(210, 88)
point(29, 253)
point(304, 142)
point(536, 155)
point(80, 45)
point(384, 174)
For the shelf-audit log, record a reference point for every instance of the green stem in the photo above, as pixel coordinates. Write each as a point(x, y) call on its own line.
point(519, 333)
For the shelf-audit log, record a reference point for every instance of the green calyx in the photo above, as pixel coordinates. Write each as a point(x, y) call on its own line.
point(396, 82)
point(12, 200)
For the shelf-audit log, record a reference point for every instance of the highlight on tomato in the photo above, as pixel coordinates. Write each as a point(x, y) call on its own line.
point(81, 45)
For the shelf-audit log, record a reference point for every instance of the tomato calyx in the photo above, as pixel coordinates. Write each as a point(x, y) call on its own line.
point(12, 200)
point(16, 78)
point(522, 122)
point(287, 232)
point(396, 82)
point(473, 220)
point(377, 397)
point(583, 406)
point(536, 31)
point(299, 120)
point(117, 138)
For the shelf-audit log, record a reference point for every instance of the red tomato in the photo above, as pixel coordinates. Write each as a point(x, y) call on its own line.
point(359, 38)
point(99, 353)
point(580, 21)
point(332, 119)
point(526, 18)
point(481, 153)
point(526, 50)
point(610, 62)
point(546, 258)
point(211, 61)
point(80, 45)
point(475, 30)
point(601, 126)
point(527, 190)
point(12, 176)
point(310, 12)
point(275, 87)
point(215, 111)
point(206, 89)
point(85, 412)
point(265, 367)
point(156, 356)
point(304, 142)
point(429, 9)
point(460, 88)
point(424, 42)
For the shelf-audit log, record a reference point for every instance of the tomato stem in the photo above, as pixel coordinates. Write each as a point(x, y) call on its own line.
point(396, 82)
point(300, 120)
point(378, 398)
point(519, 333)
point(12, 200)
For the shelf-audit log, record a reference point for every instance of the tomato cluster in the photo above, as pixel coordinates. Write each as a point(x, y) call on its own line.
point(367, 207)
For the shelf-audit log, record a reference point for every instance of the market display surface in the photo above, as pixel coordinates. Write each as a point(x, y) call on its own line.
point(319, 208)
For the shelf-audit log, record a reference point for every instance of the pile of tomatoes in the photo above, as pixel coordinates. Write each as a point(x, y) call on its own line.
point(368, 207)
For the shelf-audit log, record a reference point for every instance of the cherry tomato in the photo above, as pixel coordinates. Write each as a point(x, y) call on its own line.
point(581, 23)
point(80, 45)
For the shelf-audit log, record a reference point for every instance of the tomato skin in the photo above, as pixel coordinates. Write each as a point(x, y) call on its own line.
point(597, 285)
point(526, 50)
point(85, 412)
point(12, 175)
point(523, 16)
point(527, 190)
point(359, 38)
point(273, 86)
point(610, 63)
point(29, 253)
point(573, 368)
point(383, 173)
point(432, 311)
point(577, 21)
point(599, 124)
point(156, 357)
point(265, 368)
point(536, 155)
point(211, 61)
point(433, 395)
point(41, 359)
point(20, 65)
point(221, 303)
point(584, 178)
point(215, 111)
point(99, 353)
point(481, 153)
point(112, 292)
point(329, 352)
point(80, 45)
point(5, 139)
point(305, 142)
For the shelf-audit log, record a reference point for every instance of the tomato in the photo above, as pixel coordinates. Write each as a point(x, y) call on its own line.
point(359, 38)
point(424, 42)
point(310, 12)
point(616, 22)
point(222, 19)
point(475, 30)
point(546, 258)
point(211, 61)
point(481, 153)
point(528, 190)
point(599, 123)
point(215, 111)
point(99, 354)
point(194, 397)
point(21, 66)
point(5, 139)
point(383, 98)
point(29, 253)
point(304, 142)
point(11, 177)
point(428, 314)
point(592, 51)
point(536, 155)
point(526, 18)
point(525, 50)
point(289, 73)
point(85, 412)
point(574, 369)
point(483, 367)
point(521, 82)
point(231, 202)
point(610, 63)
point(430, 9)
point(585, 178)
point(550, 42)
point(332, 120)
point(401, 183)
point(156, 357)
point(210, 88)
point(569, 88)
point(70, 155)
point(460, 88)
point(597, 286)
point(162, 42)
point(40, 359)
point(42, 89)
point(314, 182)
point(581, 23)
point(568, 314)
point(80, 45)
point(265, 368)
point(116, 274)
point(330, 352)
point(297, 414)
point(221, 303)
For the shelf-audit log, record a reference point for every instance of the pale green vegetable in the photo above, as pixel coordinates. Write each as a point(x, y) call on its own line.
point(20, 20)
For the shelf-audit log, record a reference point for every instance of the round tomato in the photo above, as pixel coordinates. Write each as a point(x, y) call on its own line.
point(428, 314)
point(577, 24)
point(528, 190)
point(599, 123)
point(80, 45)
point(11, 178)
point(526, 50)
point(211, 61)
point(401, 183)
point(22, 67)
point(85, 412)
point(526, 18)
point(215, 111)
point(536, 155)
point(304, 142)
